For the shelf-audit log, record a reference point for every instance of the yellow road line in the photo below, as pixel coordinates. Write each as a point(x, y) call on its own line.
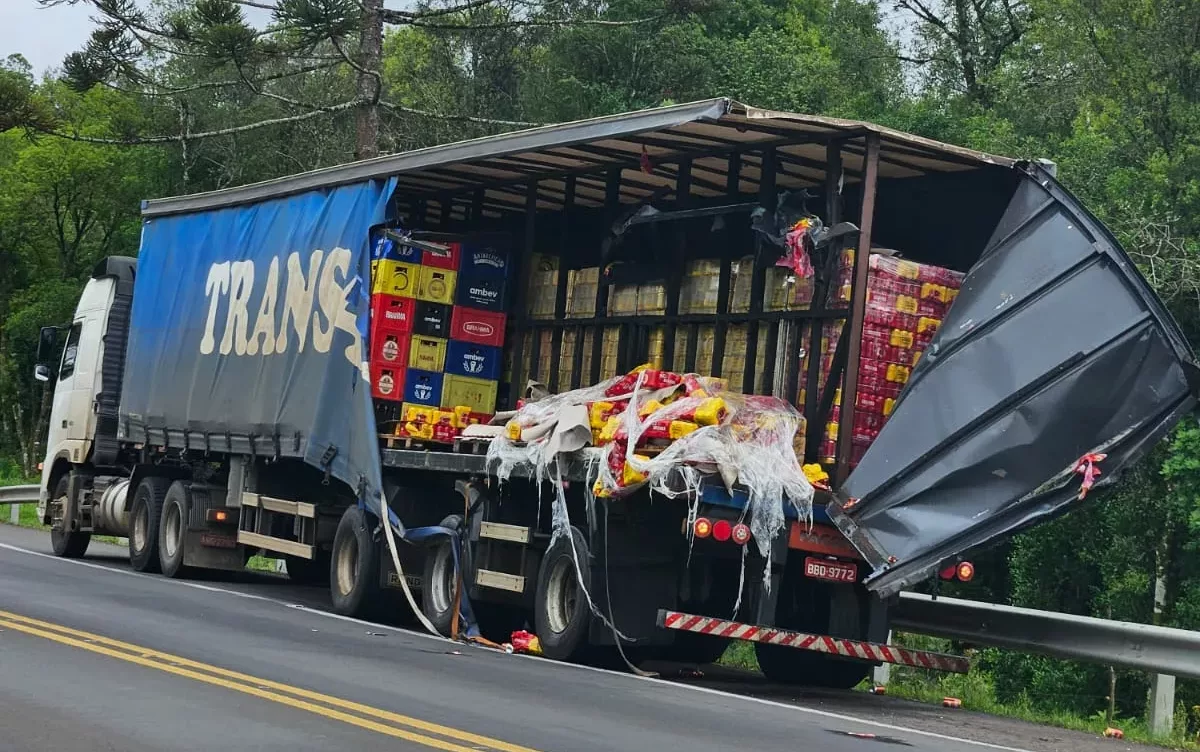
point(221, 677)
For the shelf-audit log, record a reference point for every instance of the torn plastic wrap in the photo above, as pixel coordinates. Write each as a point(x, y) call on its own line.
point(670, 433)
point(1054, 370)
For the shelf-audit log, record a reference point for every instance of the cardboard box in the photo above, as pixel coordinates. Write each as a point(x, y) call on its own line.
point(477, 394)
point(431, 319)
point(387, 383)
point(476, 326)
point(477, 361)
point(423, 387)
point(436, 285)
point(394, 278)
point(427, 353)
point(581, 292)
point(390, 313)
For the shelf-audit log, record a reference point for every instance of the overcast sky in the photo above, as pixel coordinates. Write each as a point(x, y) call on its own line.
point(43, 35)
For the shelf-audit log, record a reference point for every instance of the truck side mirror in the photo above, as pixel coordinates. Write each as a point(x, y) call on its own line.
point(47, 341)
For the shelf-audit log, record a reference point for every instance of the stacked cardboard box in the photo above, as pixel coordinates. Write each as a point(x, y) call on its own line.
point(437, 326)
point(906, 303)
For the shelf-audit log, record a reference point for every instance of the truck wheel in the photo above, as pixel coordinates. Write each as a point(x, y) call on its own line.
point(71, 545)
point(144, 517)
point(561, 615)
point(314, 571)
point(816, 608)
point(354, 565)
point(172, 530)
point(437, 598)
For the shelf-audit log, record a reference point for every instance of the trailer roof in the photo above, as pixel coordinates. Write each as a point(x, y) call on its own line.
point(707, 132)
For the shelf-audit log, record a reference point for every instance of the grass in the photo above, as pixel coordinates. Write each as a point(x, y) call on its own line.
point(977, 693)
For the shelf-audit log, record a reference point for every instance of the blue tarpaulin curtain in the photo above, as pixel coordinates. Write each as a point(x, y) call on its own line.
point(251, 321)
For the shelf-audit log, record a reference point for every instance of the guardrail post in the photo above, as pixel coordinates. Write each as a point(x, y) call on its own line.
point(883, 672)
point(1162, 704)
point(14, 514)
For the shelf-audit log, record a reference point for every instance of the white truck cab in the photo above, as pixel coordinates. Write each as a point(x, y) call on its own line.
point(78, 379)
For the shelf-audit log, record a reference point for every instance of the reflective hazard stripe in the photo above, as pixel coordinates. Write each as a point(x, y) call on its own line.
point(869, 651)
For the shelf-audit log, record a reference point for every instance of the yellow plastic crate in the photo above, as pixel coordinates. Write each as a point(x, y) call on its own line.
point(478, 394)
point(427, 353)
point(394, 278)
point(436, 285)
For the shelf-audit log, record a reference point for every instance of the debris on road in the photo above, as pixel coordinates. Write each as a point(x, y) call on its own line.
point(951, 702)
point(1113, 733)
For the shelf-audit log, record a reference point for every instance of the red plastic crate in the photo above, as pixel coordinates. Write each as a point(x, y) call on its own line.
point(390, 349)
point(451, 262)
point(392, 313)
point(387, 382)
point(476, 326)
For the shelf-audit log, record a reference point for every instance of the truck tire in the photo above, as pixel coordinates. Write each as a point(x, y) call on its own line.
point(700, 649)
point(354, 566)
point(561, 615)
point(819, 608)
point(440, 581)
point(71, 545)
point(144, 517)
point(314, 571)
point(173, 528)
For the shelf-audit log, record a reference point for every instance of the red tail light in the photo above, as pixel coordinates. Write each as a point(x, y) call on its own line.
point(702, 528)
point(741, 534)
point(948, 573)
point(722, 530)
point(966, 571)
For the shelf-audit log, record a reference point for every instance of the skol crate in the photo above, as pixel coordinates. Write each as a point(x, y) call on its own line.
point(477, 394)
point(427, 353)
point(394, 278)
point(436, 285)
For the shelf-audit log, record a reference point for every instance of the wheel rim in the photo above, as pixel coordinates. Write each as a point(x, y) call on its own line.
point(440, 587)
point(562, 595)
point(57, 520)
point(173, 526)
point(347, 566)
point(141, 521)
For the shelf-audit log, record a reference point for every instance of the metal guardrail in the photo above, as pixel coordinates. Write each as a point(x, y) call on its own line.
point(19, 494)
point(1160, 650)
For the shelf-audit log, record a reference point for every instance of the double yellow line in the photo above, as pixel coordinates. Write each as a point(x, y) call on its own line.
point(356, 714)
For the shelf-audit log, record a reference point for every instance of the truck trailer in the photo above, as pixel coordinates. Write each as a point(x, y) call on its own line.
point(233, 390)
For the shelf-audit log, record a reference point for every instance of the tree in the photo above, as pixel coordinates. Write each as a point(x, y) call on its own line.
point(143, 52)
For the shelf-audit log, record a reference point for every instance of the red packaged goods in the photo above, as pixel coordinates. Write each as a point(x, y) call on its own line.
point(391, 313)
point(653, 379)
point(477, 327)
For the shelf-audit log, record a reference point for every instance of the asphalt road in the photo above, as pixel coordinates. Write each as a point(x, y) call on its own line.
point(96, 657)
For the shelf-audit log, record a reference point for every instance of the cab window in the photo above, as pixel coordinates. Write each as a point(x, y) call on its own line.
point(69, 353)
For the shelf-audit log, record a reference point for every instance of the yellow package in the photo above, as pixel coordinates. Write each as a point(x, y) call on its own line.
point(421, 430)
point(513, 429)
point(630, 476)
point(609, 432)
point(905, 304)
point(888, 405)
point(926, 324)
point(831, 430)
point(680, 428)
point(711, 411)
point(462, 416)
point(649, 408)
point(418, 414)
point(897, 374)
point(599, 490)
point(598, 413)
point(815, 473)
point(908, 269)
point(901, 338)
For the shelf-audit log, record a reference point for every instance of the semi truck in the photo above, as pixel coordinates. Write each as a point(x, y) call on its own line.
point(216, 397)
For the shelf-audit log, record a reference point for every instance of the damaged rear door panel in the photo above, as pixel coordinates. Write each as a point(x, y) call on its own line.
point(1055, 349)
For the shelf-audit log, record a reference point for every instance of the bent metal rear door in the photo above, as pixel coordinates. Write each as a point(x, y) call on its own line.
point(1056, 361)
